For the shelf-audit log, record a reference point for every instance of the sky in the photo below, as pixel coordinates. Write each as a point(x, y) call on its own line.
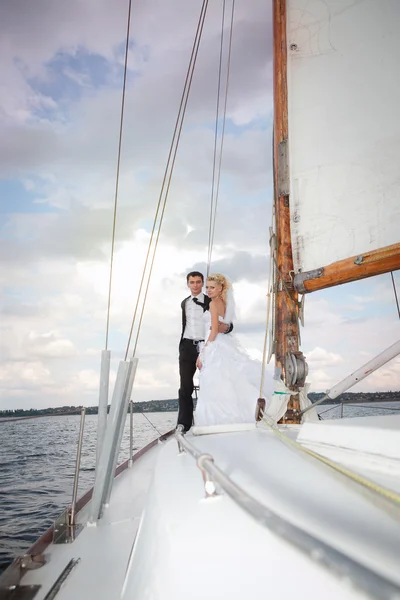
point(60, 97)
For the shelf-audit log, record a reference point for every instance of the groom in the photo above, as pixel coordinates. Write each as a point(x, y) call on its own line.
point(193, 308)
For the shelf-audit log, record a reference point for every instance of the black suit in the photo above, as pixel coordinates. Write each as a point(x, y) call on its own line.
point(187, 367)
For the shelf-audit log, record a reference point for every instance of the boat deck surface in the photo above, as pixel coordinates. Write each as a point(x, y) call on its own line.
point(189, 547)
point(216, 544)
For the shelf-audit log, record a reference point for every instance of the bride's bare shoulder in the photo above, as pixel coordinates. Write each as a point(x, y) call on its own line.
point(218, 305)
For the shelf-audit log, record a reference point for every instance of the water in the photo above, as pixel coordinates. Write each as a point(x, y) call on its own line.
point(38, 462)
point(37, 468)
point(337, 411)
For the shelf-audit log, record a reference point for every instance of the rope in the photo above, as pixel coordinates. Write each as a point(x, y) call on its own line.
point(215, 140)
point(118, 171)
point(363, 481)
point(211, 241)
point(172, 153)
point(395, 294)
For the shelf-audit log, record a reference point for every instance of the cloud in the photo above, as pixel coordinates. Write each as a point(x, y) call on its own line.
point(88, 380)
point(321, 380)
point(29, 375)
point(238, 266)
point(60, 98)
point(49, 345)
point(387, 377)
point(80, 234)
point(321, 357)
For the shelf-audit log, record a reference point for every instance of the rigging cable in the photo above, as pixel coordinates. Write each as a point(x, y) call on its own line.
point(118, 170)
point(395, 294)
point(170, 160)
point(213, 209)
point(215, 139)
point(152, 424)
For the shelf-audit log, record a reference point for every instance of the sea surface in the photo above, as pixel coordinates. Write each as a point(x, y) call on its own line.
point(37, 464)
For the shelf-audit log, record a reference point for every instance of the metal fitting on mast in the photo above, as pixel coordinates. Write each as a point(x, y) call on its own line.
point(295, 370)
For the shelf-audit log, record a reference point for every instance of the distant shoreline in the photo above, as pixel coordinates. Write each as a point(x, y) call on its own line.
point(171, 405)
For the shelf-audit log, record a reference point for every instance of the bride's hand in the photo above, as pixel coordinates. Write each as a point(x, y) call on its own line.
point(199, 364)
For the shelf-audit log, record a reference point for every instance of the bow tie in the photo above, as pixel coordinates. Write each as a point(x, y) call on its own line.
point(197, 301)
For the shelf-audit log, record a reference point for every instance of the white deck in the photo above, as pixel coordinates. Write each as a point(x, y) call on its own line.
point(370, 445)
point(190, 548)
point(211, 548)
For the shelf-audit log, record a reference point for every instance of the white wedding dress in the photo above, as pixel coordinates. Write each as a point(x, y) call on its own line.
point(230, 383)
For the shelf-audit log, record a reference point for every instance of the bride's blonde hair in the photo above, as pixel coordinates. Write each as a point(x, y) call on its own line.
point(222, 281)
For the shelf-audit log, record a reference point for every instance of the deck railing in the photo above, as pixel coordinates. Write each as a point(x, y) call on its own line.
point(363, 404)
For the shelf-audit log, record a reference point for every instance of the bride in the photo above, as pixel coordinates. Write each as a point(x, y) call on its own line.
point(229, 378)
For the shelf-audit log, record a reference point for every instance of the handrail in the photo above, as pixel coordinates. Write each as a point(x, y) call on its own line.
point(356, 403)
point(372, 583)
point(184, 445)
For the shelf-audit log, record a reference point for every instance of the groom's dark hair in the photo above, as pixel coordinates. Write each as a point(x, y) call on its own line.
point(194, 274)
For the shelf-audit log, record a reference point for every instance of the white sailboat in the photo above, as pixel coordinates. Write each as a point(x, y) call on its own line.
point(300, 508)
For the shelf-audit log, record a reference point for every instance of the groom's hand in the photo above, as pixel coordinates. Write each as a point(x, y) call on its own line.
point(223, 328)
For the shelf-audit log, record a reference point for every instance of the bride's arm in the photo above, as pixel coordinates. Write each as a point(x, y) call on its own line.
point(213, 334)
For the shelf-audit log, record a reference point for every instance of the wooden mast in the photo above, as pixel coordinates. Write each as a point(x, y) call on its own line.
point(288, 284)
point(287, 333)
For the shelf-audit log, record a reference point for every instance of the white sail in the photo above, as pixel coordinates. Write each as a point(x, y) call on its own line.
point(344, 128)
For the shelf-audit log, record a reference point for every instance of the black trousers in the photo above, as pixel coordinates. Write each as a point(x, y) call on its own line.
point(187, 367)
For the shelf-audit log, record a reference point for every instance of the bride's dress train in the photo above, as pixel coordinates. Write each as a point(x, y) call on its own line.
point(230, 384)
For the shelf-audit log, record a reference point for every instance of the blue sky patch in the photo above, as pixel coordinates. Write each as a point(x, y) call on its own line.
point(15, 198)
point(69, 75)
